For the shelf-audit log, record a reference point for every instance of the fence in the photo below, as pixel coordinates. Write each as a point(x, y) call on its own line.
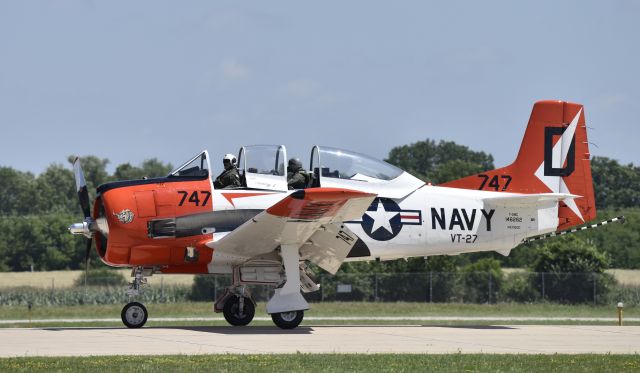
point(459, 287)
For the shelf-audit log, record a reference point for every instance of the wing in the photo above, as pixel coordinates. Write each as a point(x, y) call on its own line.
point(294, 220)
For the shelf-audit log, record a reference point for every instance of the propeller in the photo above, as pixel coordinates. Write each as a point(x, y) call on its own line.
point(88, 225)
point(81, 187)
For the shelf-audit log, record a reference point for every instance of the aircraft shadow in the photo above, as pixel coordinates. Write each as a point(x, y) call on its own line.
point(488, 327)
point(204, 329)
point(248, 330)
point(245, 330)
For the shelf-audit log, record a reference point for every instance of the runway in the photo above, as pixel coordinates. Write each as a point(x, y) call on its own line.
point(511, 339)
point(353, 319)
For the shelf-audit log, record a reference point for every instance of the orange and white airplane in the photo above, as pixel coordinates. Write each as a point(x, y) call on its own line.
point(354, 208)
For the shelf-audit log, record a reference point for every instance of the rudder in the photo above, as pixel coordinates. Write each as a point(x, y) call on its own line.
point(553, 158)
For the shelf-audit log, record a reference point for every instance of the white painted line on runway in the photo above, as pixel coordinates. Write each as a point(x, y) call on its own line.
point(342, 318)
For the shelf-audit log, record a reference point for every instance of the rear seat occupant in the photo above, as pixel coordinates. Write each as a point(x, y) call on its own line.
point(296, 175)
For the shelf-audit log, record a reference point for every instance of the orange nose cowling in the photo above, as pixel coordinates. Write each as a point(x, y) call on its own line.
point(130, 209)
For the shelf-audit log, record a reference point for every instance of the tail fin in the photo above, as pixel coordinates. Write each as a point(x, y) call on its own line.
point(553, 158)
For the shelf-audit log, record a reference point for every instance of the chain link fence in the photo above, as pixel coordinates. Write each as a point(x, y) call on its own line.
point(434, 287)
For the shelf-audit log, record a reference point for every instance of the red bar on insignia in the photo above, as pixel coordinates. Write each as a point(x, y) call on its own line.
point(410, 217)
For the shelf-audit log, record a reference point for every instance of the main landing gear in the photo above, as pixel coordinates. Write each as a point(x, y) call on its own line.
point(287, 320)
point(239, 309)
point(135, 314)
point(287, 305)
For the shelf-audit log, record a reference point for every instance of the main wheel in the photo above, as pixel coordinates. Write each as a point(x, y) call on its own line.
point(287, 320)
point(232, 312)
point(134, 315)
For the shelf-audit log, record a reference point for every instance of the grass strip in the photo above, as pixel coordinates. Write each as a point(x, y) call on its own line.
point(329, 363)
point(195, 309)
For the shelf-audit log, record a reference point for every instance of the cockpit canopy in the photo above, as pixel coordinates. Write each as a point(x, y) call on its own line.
point(196, 167)
point(344, 164)
point(264, 167)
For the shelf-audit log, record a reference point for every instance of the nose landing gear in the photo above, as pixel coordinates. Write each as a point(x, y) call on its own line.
point(135, 314)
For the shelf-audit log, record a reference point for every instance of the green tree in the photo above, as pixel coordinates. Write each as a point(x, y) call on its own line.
point(56, 191)
point(443, 272)
point(439, 162)
point(16, 191)
point(615, 185)
point(3, 256)
point(482, 281)
point(572, 268)
point(621, 242)
point(150, 168)
point(207, 287)
point(42, 241)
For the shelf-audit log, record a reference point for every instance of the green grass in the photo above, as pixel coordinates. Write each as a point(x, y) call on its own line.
point(333, 309)
point(350, 309)
point(329, 363)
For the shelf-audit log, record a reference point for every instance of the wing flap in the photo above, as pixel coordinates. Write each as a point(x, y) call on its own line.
point(329, 246)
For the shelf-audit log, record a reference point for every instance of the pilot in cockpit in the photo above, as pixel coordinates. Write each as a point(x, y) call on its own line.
point(229, 178)
point(297, 177)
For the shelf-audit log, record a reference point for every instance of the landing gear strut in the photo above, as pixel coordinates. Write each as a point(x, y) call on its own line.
point(135, 314)
point(286, 306)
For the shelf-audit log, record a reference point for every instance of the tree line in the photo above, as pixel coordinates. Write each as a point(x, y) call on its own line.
point(35, 210)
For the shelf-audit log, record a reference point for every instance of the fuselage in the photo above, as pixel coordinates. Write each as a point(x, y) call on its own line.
point(172, 224)
point(153, 222)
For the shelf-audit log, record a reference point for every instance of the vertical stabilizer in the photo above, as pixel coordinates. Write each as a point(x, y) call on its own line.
point(553, 158)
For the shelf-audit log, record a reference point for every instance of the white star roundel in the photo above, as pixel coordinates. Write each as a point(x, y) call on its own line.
point(384, 219)
point(381, 218)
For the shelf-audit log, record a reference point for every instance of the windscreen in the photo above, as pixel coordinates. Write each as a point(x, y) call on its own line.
point(196, 167)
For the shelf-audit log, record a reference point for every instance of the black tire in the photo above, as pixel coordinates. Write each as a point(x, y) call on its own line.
point(287, 320)
point(231, 314)
point(134, 315)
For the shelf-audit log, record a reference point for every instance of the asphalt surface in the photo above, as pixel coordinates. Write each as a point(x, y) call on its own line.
point(353, 319)
point(511, 339)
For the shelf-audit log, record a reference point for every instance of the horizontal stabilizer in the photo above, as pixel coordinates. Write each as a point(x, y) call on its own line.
point(527, 199)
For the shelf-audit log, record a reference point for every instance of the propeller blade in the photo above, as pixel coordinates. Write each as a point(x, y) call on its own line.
point(81, 187)
point(87, 255)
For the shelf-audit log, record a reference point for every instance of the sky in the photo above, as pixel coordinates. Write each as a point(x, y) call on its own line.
point(132, 80)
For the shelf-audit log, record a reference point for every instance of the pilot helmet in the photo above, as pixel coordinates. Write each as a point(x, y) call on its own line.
point(229, 161)
point(294, 164)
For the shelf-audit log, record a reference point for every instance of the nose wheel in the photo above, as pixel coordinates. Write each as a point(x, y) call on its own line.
point(287, 320)
point(134, 315)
